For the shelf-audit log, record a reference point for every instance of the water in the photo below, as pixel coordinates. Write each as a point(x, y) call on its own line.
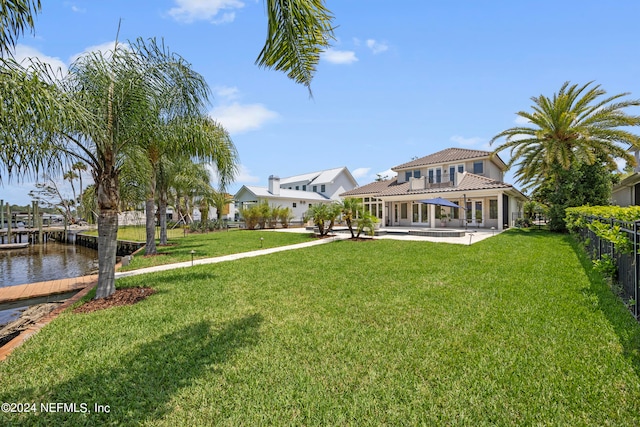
point(39, 263)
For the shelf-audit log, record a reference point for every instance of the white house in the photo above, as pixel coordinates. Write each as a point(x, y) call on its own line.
point(299, 192)
point(627, 191)
point(472, 179)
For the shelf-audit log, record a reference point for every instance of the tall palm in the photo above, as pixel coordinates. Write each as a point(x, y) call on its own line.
point(196, 136)
point(103, 105)
point(99, 112)
point(578, 125)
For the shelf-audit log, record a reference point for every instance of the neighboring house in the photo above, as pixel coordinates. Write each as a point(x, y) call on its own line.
point(471, 179)
point(627, 191)
point(299, 192)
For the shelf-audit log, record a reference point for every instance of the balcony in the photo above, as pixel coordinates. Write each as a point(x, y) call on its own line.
point(423, 183)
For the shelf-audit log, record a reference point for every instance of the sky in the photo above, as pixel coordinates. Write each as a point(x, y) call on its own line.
point(402, 79)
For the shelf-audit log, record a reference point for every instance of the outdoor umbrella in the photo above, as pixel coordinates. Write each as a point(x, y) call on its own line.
point(440, 202)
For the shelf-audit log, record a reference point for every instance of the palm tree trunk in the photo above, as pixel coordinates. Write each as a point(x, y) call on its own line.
point(108, 197)
point(150, 212)
point(162, 209)
point(150, 208)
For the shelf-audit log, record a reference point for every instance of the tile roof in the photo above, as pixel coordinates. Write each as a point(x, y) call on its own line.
point(372, 188)
point(469, 182)
point(447, 155)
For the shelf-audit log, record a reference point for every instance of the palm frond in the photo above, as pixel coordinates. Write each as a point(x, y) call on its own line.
point(298, 31)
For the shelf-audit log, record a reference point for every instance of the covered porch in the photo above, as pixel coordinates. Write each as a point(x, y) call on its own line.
point(480, 211)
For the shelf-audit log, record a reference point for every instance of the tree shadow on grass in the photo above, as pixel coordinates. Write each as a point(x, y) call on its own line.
point(622, 321)
point(139, 387)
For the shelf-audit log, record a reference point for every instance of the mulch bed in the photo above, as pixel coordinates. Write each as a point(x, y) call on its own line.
point(125, 296)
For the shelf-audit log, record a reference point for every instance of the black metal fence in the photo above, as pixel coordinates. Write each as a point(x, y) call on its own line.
point(627, 260)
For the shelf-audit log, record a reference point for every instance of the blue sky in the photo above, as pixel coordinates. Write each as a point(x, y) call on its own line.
point(403, 79)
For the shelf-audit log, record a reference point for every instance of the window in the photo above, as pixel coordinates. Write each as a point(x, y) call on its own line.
point(304, 188)
point(416, 210)
point(407, 175)
point(416, 173)
point(431, 176)
point(478, 167)
point(438, 175)
point(323, 188)
point(424, 211)
point(493, 209)
point(294, 204)
point(452, 173)
point(315, 188)
point(460, 168)
point(297, 187)
point(403, 211)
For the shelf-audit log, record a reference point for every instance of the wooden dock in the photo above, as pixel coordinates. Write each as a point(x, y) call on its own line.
point(33, 235)
point(29, 291)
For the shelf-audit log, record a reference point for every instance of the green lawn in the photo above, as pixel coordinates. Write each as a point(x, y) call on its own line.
point(138, 233)
point(513, 330)
point(210, 245)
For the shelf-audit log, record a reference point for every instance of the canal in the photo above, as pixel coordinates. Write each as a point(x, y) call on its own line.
point(38, 263)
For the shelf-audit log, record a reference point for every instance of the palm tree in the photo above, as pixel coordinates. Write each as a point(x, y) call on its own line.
point(103, 105)
point(577, 126)
point(573, 127)
point(321, 213)
point(194, 135)
point(366, 222)
point(351, 208)
point(98, 113)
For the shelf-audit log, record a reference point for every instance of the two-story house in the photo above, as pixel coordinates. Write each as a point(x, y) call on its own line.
point(299, 192)
point(472, 179)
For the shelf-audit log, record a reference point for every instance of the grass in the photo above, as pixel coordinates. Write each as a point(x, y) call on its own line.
point(513, 330)
point(215, 244)
point(138, 233)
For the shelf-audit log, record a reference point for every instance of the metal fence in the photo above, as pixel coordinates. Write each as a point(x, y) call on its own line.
point(627, 261)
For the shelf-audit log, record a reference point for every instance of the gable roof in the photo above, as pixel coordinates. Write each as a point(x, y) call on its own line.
point(320, 177)
point(263, 192)
point(447, 155)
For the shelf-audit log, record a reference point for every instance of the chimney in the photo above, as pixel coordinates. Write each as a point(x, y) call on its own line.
point(274, 185)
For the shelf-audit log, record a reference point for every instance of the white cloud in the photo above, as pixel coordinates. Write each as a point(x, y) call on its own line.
point(214, 11)
point(376, 47)
point(389, 174)
point(77, 9)
point(245, 177)
point(335, 56)
point(239, 118)
point(104, 48)
point(23, 53)
point(521, 121)
point(226, 92)
point(360, 172)
point(467, 142)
